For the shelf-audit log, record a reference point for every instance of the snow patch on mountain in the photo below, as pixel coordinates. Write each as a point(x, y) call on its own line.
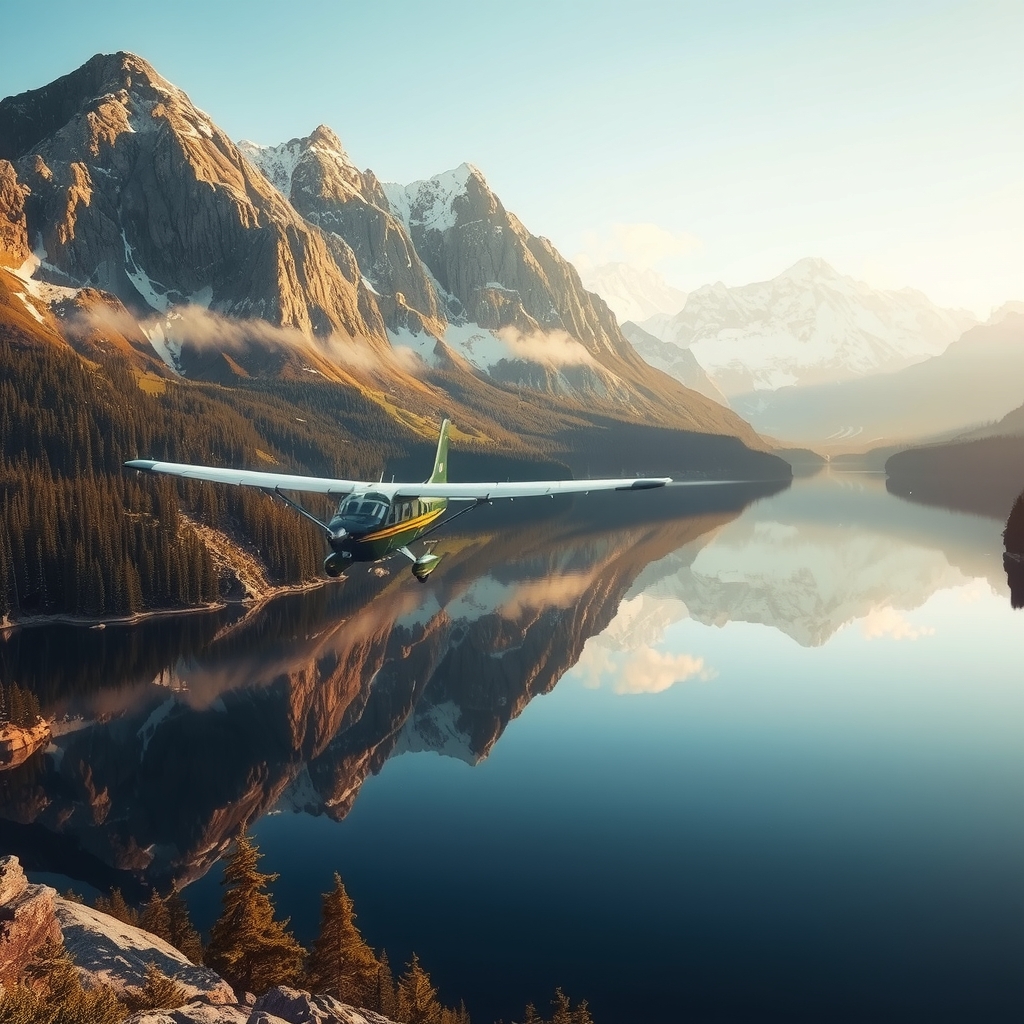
point(277, 163)
point(430, 203)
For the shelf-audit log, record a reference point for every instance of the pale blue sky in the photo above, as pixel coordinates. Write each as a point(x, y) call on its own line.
point(886, 137)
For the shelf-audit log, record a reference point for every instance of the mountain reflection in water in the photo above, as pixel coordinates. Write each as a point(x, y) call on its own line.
point(173, 734)
point(784, 749)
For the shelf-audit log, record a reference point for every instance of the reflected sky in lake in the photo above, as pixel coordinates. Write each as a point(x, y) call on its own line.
point(763, 764)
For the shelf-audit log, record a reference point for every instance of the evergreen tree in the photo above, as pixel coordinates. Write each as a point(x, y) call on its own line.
point(530, 1015)
point(157, 992)
point(563, 1012)
point(54, 994)
point(385, 998)
point(117, 907)
point(417, 998)
point(155, 917)
point(183, 934)
point(248, 947)
point(341, 964)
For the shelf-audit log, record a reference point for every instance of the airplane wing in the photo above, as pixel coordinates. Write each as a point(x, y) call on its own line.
point(251, 478)
point(451, 491)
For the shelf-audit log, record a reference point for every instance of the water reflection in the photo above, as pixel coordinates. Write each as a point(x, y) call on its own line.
point(171, 736)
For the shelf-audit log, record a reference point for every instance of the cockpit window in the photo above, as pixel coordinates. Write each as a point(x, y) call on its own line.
point(370, 509)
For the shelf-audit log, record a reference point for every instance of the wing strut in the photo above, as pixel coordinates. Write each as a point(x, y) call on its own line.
point(302, 512)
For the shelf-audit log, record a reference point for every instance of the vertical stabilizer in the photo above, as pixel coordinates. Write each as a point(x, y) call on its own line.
point(440, 474)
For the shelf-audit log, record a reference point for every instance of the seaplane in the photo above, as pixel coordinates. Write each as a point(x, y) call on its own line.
point(376, 520)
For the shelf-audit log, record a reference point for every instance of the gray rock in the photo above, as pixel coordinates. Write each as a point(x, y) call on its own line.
point(108, 952)
point(297, 1007)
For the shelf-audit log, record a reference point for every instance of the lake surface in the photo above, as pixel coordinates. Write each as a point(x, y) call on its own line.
point(709, 756)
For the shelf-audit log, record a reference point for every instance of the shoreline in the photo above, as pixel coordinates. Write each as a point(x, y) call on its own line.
point(250, 604)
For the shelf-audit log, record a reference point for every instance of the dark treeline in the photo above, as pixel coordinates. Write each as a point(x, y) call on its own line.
point(18, 705)
point(81, 535)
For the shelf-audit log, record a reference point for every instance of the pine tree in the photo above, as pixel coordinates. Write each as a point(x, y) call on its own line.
point(563, 1012)
point(530, 1015)
point(385, 999)
point(155, 917)
point(417, 998)
point(581, 1015)
point(341, 964)
point(183, 934)
point(157, 992)
point(248, 947)
point(117, 907)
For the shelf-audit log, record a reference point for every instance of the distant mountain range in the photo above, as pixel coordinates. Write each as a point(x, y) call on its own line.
point(289, 263)
point(632, 293)
point(809, 325)
point(976, 380)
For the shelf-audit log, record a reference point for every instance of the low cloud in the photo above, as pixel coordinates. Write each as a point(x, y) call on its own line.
point(204, 329)
point(554, 348)
point(887, 622)
point(640, 244)
point(642, 670)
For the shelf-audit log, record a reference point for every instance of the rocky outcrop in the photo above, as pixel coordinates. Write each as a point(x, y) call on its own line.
point(110, 953)
point(278, 1006)
point(27, 919)
point(14, 247)
point(136, 191)
point(19, 742)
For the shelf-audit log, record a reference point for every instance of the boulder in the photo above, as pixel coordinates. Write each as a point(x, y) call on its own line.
point(108, 952)
point(27, 919)
point(297, 1007)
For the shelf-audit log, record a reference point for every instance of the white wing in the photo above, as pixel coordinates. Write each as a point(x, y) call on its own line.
point(454, 492)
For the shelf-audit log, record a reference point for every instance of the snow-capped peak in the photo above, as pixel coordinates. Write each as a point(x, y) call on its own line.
point(430, 203)
point(278, 163)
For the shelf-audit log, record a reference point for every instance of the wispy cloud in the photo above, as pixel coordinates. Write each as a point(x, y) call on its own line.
point(888, 622)
point(639, 244)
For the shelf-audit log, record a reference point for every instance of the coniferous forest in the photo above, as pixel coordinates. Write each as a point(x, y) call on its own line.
point(81, 535)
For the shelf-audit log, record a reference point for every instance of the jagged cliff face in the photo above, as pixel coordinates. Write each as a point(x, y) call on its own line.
point(157, 779)
point(349, 206)
point(136, 191)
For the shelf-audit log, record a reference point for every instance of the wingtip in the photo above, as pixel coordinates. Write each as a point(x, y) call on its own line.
point(146, 464)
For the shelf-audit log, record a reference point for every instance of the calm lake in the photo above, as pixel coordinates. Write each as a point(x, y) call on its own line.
point(708, 754)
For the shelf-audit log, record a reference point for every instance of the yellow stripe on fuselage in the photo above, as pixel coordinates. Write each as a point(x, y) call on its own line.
point(410, 524)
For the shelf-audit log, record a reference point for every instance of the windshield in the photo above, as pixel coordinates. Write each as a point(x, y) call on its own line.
point(369, 509)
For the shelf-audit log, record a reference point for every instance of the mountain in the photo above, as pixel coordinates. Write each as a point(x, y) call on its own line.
point(288, 263)
point(632, 293)
point(975, 380)
point(134, 190)
point(675, 361)
point(809, 325)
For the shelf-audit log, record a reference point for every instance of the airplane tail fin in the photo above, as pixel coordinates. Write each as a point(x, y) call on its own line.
point(440, 474)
